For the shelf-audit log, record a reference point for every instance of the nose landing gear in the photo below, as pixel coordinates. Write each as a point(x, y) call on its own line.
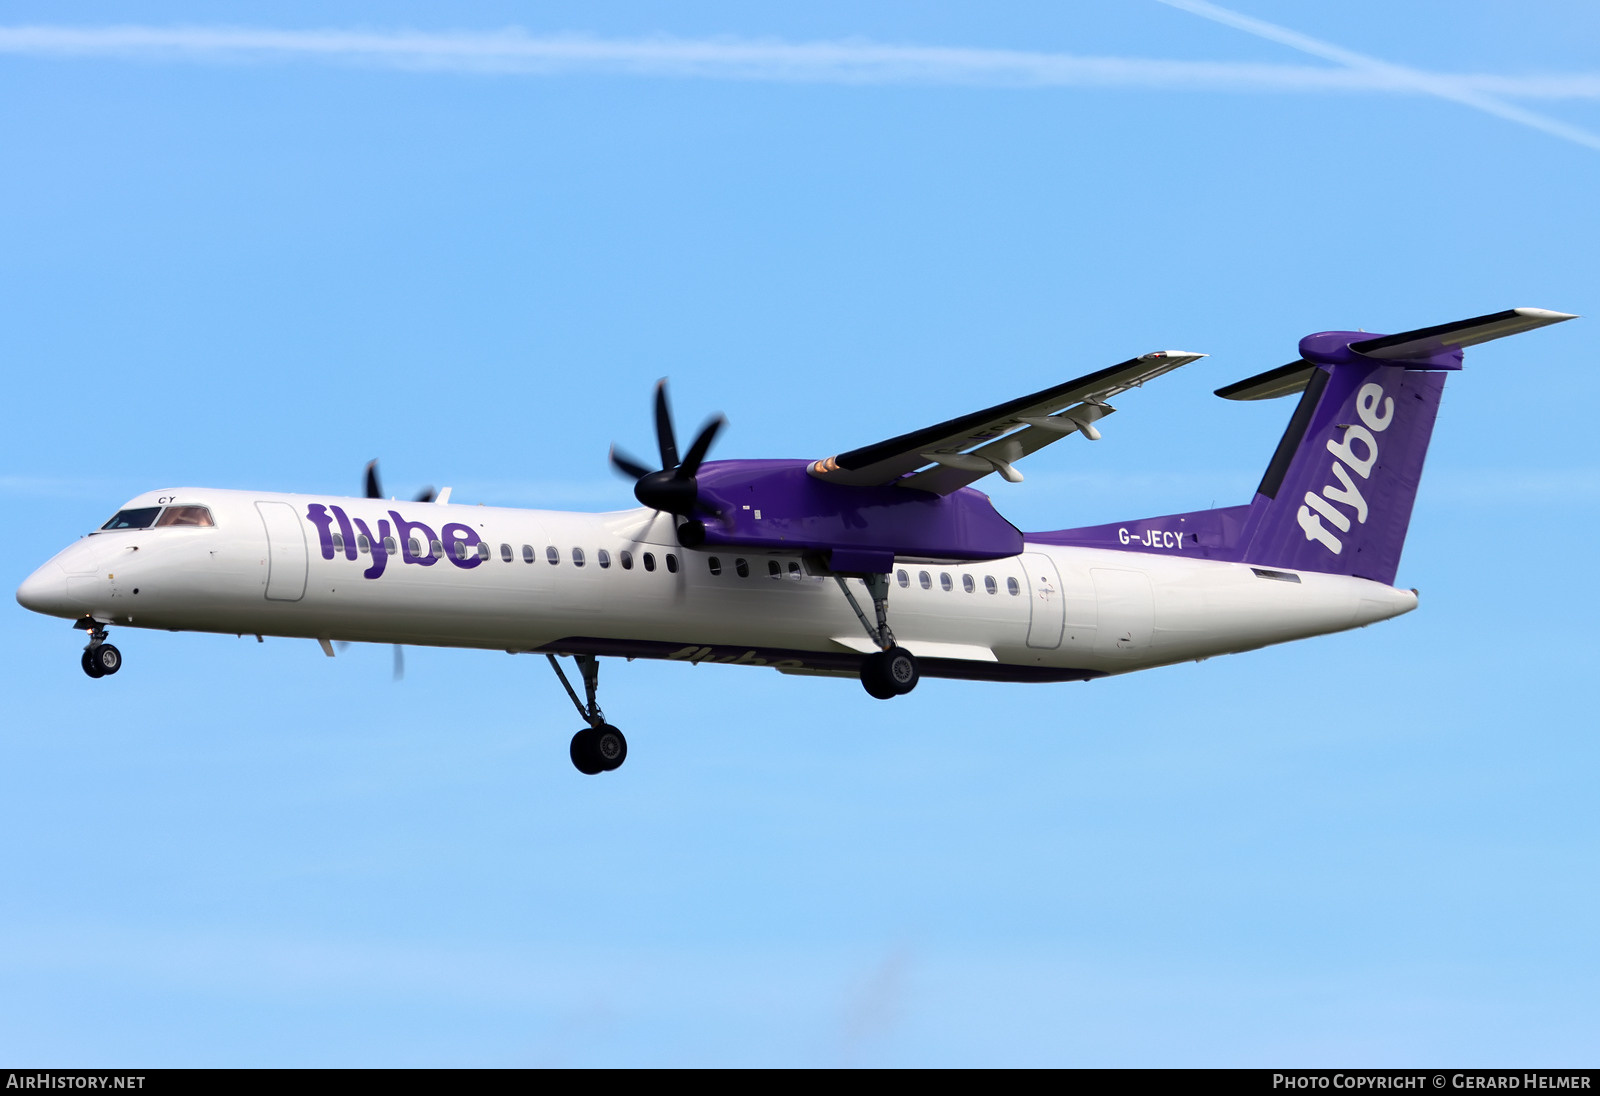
point(599, 747)
point(100, 659)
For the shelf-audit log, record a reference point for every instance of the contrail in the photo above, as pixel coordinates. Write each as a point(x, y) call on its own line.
point(1453, 88)
point(848, 61)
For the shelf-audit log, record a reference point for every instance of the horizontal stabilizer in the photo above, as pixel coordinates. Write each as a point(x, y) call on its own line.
point(1422, 347)
point(1451, 336)
point(1285, 380)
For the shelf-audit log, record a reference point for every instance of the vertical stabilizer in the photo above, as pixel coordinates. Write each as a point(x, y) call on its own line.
point(1338, 494)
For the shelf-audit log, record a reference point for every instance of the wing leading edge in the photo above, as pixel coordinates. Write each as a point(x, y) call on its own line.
point(1002, 434)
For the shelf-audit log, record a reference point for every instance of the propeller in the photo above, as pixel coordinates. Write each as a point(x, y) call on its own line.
point(399, 657)
point(374, 491)
point(672, 488)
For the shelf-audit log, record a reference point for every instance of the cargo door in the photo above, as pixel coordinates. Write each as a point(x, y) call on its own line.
point(1127, 612)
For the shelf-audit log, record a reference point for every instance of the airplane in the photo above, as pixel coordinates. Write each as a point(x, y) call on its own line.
point(881, 563)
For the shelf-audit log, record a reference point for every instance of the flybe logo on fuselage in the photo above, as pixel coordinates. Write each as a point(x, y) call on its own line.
point(1346, 491)
point(413, 541)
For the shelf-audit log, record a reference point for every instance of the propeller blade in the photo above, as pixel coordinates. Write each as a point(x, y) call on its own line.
point(373, 490)
point(625, 464)
point(664, 435)
point(399, 662)
point(697, 451)
point(427, 494)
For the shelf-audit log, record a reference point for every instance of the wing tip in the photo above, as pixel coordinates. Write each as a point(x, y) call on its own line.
point(1545, 315)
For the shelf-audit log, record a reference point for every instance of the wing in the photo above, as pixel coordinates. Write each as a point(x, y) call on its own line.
point(1002, 434)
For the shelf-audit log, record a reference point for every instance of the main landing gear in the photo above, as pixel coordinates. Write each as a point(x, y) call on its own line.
point(100, 659)
point(891, 670)
point(599, 747)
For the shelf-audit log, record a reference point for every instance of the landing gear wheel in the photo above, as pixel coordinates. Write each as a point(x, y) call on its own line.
point(599, 749)
point(106, 658)
point(888, 674)
point(91, 666)
point(610, 747)
point(585, 758)
point(900, 666)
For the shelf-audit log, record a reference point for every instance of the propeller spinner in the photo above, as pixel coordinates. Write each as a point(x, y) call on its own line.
point(672, 487)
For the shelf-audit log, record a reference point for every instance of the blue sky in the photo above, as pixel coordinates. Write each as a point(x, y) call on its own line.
point(472, 252)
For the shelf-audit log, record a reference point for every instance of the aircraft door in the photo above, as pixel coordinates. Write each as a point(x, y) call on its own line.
point(287, 558)
point(1047, 607)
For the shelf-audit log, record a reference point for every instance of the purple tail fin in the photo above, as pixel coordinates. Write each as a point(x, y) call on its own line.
point(1338, 494)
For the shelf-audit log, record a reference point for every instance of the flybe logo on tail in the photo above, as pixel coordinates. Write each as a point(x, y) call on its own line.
point(1357, 453)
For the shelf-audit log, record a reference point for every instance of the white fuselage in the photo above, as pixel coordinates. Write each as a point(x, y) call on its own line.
point(261, 569)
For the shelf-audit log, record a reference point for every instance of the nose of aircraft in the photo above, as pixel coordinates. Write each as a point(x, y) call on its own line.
point(45, 591)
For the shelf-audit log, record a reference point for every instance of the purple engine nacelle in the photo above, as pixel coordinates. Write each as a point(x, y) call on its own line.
point(778, 505)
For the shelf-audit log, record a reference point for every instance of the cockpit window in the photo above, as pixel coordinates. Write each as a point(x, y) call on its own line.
point(141, 518)
point(184, 515)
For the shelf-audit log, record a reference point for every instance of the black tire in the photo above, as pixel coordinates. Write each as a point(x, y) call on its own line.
point(584, 757)
point(610, 747)
point(875, 677)
point(900, 669)
point(108, 658)
point(90, 666)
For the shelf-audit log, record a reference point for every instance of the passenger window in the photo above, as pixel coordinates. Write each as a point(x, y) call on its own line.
point(483, 549)
point(1012, 588)
point(552, 555)
point(527, 553)
point(184, 515)
point(672, 563)
point(142, 518)
point(903, 578)
point(338, 542)
point(506, 553)
point(649, 561)
point(627, 559)
point(967, 584)
point(363, 545)
point(990, 584)
point(714, 565)
point(603, 558)
point(741, 568)
point(925, 579)
point(794, 570)
point(577, 557)
point(774, 569)
point(462, 551)
point(415, 547)
point(944, 582)
point(390, 545)
point(438, 549)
